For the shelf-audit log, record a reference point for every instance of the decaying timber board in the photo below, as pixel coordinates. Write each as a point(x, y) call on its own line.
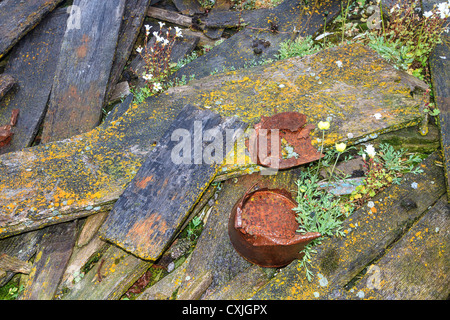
point(68, 179)
point(19, 17)
point(83, 69)
point(440, 74)
point(22, 246)
point(369, 232)
point(133, 18)
point(50, 261)
point(237, 51)
point(32, 63)
point(214, 254)
point(110, 277)
point(6, 83)
point(416, 267)
point(153, 207)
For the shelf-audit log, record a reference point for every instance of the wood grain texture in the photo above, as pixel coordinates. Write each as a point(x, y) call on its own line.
point(54, 251)
point(33, 63)
point(440, 75)
point(19, 17)
point(83, 70)
point(154, 205)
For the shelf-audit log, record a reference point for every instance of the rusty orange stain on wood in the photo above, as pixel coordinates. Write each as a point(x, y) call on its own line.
point(82, 50)
point(144, 182)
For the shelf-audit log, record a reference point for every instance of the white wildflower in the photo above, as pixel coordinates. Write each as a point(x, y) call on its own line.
point(377, 116)
point(428, 14)
point(158, 38)
point(139, 49)
point(147, 29)
point(178, 32)
point(395, 8)
point(443, 9)
point(165, 41)
point(157, 86)
point(370, 150)
point(161, 24)
point(147, 77)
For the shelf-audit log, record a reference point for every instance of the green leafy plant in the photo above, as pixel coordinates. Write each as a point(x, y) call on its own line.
point(298, 48)
point(400, 56)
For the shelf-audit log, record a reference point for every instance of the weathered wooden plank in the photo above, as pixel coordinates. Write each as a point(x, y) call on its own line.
point(68, 179)
point(13, 264)
point(110, 277)
point(32, 63)
point(153, 207)
point(214, 255)
point(169, 16)
point(237, 51)
point(50, 261)
point(19, 17)
point(6, 83)
point(133, 18)
point(440, 76)
point(83, 70)
point(22, 246)
point(188, 7)
point(369, 232)
point(416, 267)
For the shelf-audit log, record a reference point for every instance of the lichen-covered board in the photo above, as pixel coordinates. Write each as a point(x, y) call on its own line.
point(76, 177)
point(154, 205)
point(83, 68)
point(369, 232)
point(32, 63)
point(19, 17)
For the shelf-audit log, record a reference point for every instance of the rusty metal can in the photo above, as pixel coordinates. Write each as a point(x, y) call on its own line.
point(263, 228)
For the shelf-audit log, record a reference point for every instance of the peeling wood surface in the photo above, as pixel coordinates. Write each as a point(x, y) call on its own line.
point(33, 63)
point(83, 70)
point(369, 233)
point(110, 277)
point(19, 17)
point(440, 75)
point(154, 205)
point(50, 261)
point(77, 177)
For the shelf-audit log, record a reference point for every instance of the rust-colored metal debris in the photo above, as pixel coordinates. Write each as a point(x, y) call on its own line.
point(263, 229)
point(294, 144)
point(6, 131)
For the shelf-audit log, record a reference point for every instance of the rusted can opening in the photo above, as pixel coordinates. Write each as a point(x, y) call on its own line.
point(263, 228)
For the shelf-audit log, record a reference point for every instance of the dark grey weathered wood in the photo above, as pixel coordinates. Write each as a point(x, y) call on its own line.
point(50, 261)
point(33, 63)
point(156, 202)
point(440, 76)
point(133, 18)
point(19, 17)
point(6, 83)
point(83, 69)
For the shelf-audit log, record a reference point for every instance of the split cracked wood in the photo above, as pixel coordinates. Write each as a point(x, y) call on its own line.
point(153, 207)
point(83, 69)
point(19, 17)
point(65, 180)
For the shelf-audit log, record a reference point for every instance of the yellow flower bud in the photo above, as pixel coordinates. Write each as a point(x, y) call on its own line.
point(340, 147)
point(323, 125)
